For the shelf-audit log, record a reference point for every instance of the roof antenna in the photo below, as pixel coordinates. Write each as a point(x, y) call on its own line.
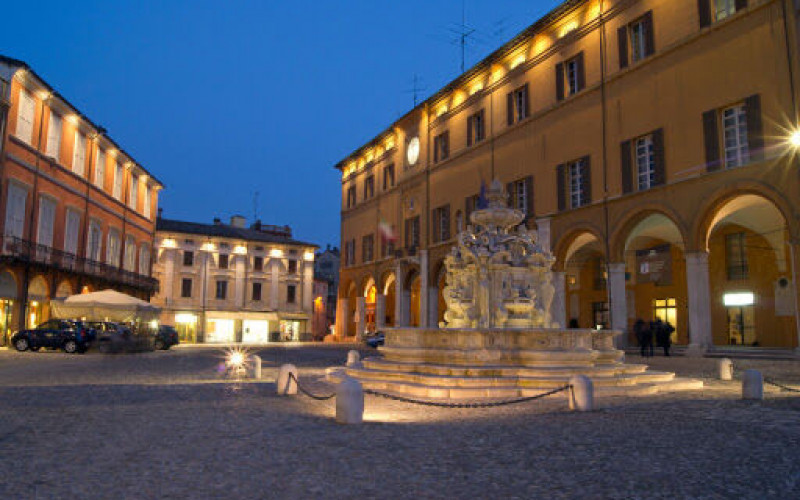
point(415, 89)
point(255, 206)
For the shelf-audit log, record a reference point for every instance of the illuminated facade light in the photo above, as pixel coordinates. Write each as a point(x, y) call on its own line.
point(517, 61)
point(208, 247)
point(794, 139)
point(276, 252)
point(72, 118)
point(441, 110)
point(738, 299)
point(240, 250)
point(185, 318)
point(169, 243)
point(309, 256)
point(476, 88)
point(568, 28)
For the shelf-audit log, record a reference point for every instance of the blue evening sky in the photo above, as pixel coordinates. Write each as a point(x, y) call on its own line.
point(220, 100)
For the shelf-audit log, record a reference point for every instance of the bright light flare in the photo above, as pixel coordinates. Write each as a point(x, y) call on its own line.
point(236, 361)
point(794, 139)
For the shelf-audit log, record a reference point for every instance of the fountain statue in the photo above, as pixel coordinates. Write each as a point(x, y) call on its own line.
point(497, 276)
point(499, 338)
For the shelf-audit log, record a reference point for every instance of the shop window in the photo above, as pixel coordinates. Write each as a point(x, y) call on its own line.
point(667, 311)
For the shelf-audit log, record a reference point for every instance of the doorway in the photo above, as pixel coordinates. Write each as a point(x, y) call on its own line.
point(742, 325)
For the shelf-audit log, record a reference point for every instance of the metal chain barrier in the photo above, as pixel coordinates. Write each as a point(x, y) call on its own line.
point(776, 384)
point(467, 405)
point(309, 393)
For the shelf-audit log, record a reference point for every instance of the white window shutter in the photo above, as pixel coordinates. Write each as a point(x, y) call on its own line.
point(144, 260)
point(15, 211)
point(79, 154)
point(47, 215)
point(118, 182)
point(54, 136)
point(133, 193)
point(146, 208)
point(26, 112)
point(100, 169)
point(72, 230)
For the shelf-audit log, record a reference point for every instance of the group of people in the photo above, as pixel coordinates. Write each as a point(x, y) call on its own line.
point(645, 332)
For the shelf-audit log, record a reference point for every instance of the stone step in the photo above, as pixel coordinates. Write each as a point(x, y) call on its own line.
point(550, 381)
point(508, 357)
point(422, 391)
point(499, 370)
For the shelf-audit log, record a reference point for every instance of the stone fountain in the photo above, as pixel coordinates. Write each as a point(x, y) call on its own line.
point(499, 339)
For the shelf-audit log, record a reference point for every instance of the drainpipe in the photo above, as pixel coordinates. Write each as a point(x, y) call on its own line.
point(794, 290)
point(27, 271)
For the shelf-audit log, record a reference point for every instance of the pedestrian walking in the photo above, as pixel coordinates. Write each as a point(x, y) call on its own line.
point(664, 335)
point(639, 328)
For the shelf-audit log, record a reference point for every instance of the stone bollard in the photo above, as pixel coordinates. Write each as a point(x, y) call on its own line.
point(725, 369)
point(752, 385)
point(353, 358)
point(285, 384)
point(255, 367)
point(581, 396)
point(349, 401)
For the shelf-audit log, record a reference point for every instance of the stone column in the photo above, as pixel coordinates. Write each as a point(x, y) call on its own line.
point(433, 307)
point(380, 311)
point(618, 305)
point(361, 317)
point(400, 298)
point(794, 254)
point(341, 317)
point(274, 290)
point(558, 308)
point(424, 304)
point(699, 302)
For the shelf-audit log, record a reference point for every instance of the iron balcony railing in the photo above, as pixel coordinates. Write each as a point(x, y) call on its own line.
point(30, 252)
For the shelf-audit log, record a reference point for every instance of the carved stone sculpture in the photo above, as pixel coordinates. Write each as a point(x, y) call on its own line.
point(497, 276)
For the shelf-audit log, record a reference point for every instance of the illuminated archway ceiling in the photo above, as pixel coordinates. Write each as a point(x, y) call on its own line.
point(758, 215)
point(653, 230)
point(582, 247)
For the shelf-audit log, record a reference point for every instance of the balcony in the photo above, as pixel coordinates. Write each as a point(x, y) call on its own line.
point(48, 258)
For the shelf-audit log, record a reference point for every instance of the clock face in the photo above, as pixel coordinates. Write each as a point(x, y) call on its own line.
point(412, 151)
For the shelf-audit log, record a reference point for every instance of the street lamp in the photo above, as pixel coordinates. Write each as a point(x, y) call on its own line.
point(794, 139)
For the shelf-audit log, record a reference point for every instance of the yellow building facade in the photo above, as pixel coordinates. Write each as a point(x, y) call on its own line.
point(652, 145)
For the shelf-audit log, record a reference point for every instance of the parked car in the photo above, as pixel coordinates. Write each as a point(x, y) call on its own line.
point(71, 336)
point(166, 337)
point(376, 340)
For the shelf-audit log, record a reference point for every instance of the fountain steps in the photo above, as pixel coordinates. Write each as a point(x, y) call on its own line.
point(513, 356)
point(404, 384)
point(500, 370)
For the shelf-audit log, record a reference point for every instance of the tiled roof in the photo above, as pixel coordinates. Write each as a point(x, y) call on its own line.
point(225, 231)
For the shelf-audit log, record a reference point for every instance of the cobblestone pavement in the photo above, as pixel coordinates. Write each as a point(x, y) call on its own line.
point(136, 426)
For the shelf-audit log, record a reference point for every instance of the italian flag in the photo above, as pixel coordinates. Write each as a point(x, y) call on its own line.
point(386, 231)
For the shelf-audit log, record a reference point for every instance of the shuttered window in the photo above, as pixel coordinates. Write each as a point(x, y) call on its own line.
point(476, 128)
point(25, 115)
point(388, 177)
point(15, 210)
point(570, 77)
point(736, 256)
point(47, 217)
point(130, 254)
point(368, 248)
point(734, 136)
point(518, 106)
point(146, 208)
point(369, 187)
point(441, 224)
point(574, 181)
point(79, 154)
point(144, 260)
point(72, 231)
point(520, 195)
point(723, 9)
point(118, 176)
point(412, 232)
point(133, 193)
point(441, 146)
point(717, 10)
point(94, 241)
point(645, 162)
point(100, 168)
point(54, 128)
point(112, 248)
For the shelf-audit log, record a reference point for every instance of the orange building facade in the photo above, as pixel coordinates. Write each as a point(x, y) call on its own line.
point(77, 211)
point(652, 145)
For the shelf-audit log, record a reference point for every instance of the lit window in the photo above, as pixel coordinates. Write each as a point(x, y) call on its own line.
point(572, 72)
point(576, 183)
point(638, 32)
point(723, 9)
point(734, 126)
point(645, 162)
